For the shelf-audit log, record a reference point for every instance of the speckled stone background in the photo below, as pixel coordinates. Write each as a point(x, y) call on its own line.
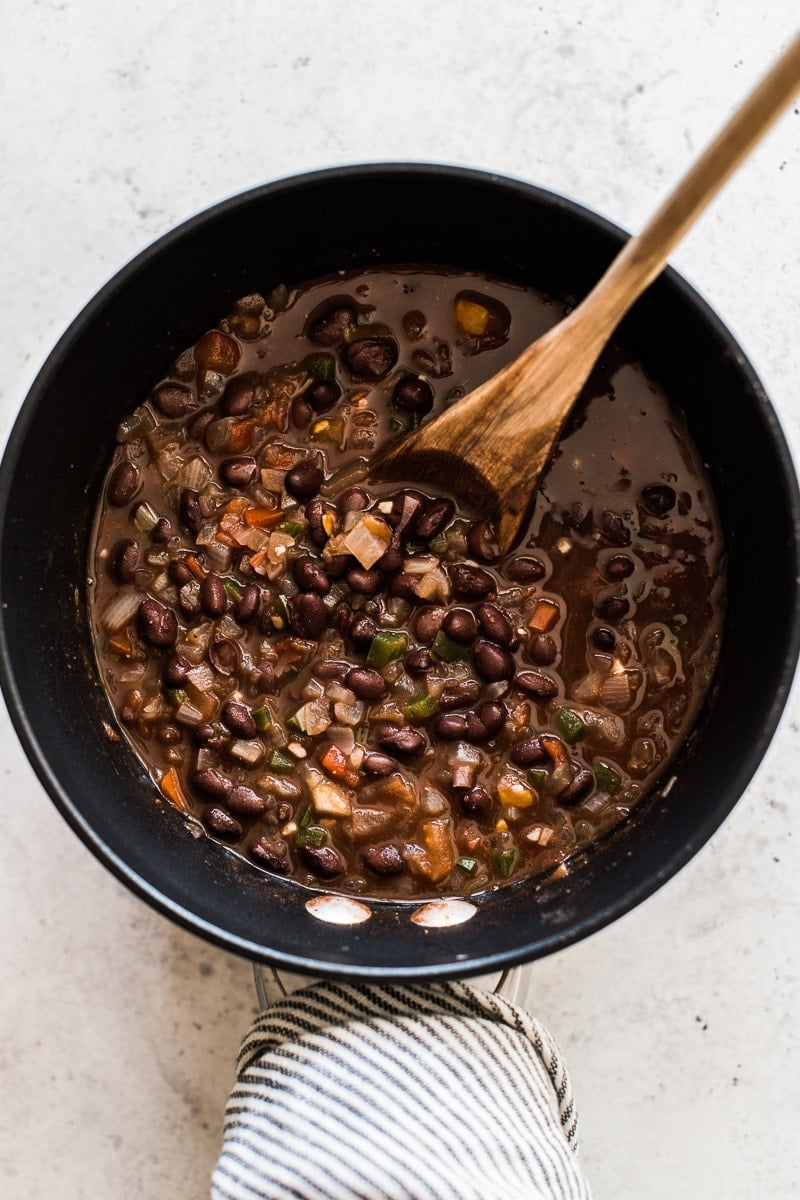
point(118, 1032)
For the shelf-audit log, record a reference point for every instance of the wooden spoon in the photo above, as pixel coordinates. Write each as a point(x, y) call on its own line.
point(489, 449)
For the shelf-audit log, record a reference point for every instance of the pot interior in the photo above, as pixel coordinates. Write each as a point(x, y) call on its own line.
point(106, 363)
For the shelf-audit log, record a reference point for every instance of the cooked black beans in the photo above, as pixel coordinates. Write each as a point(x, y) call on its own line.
point(413, 394)
point(338, 674)
point(213, 596)
point(437, 516)
point(324, 861)
point(366, 683)
point(492, 662)
point(303, 482)
point(158, 624)
point(238, 472)
point(310, 575)
point(472, 582)
point(123, 484)
point(384, 860)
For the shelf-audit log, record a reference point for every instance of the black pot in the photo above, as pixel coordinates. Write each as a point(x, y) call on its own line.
point(124, 340)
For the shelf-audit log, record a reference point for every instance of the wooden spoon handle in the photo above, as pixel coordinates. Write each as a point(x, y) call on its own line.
point(645, 255)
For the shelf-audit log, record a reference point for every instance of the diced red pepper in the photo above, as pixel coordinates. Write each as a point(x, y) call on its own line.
point(337, 764)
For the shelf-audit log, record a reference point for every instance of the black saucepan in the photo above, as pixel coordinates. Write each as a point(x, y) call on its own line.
point(290, 232)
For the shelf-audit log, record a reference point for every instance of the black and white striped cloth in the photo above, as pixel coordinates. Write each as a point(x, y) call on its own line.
point(437, 1092)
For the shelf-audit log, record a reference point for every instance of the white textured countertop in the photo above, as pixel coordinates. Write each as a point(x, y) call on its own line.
point(118, 1031)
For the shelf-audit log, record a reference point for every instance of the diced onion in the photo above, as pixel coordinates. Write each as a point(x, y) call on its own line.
point(120, 611)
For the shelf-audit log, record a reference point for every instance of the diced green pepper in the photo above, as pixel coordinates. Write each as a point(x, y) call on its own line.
point(570, 725)
point(280, 761)
point(421, 707)
point(291, 526)
point(175, 696)
point(607, 778)
point(447, 650)
point(537, 776)
point(305, 818)
point(262, 717)
point(504, 861)
point(397, 424)
point(293, 723)
point(470, 865)
point(314, 835)
point(232, 590)
point(320, 366)
point(280, 613)
point(386, 646)
point(438, 545)
point(287, 675)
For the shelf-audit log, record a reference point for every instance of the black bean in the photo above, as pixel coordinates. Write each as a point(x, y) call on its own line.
point(451, 727)
point(212, 782)
point(224, 655)
point(492, 662)
point(239, 719)
point(308, 614)
point(578, 790)
point(179, 572)
point(124, 559)
point(159, 624)
point(199, 424)
point(331, 668)
point(460, 625)
point(238, 472)
point(330, 328)
point(614, 529)
point(322, 394)
point(476, 801)
point(476, 731)
point(300, 413)
point(324, 861)
point(612, 608)
point(537, 684)
point(174, 400)
point(524, 570)
point(458, 693)
point(418, 662)
point(123, 484)
point(176, 672)
point(366, 683)
point(378, 765)
point(383, 860)
point(371, 358)
point(212, 737)
point(263, 679)
point(413, 394)
point(245, 802)
point(161, 531)
point(341, 617)
point(492, 715)
point(428, 622)
point(365, 582)
point(406, 509)
point(362, 631)
point(304, 480)
point(392, 559)
point(603, 639)
point(271, 858)
point(469, 581)
point(619, 566)
point(189, 510)
point(530, 753)
point(315, 514)
point(658, 499)
point(338, 565)
point(542, 649)
point(481, 541)
point(495, 625)
point(222, 824)
point(239, 394)
point(354, 499)
point(213, 596)
point(170, 734)
point(246, 606)
point(438, 514)
point(404, 585)
point(310, 576)
point(403, 743)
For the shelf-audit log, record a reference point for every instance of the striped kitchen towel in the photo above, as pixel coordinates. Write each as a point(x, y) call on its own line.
point(425, 1092)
